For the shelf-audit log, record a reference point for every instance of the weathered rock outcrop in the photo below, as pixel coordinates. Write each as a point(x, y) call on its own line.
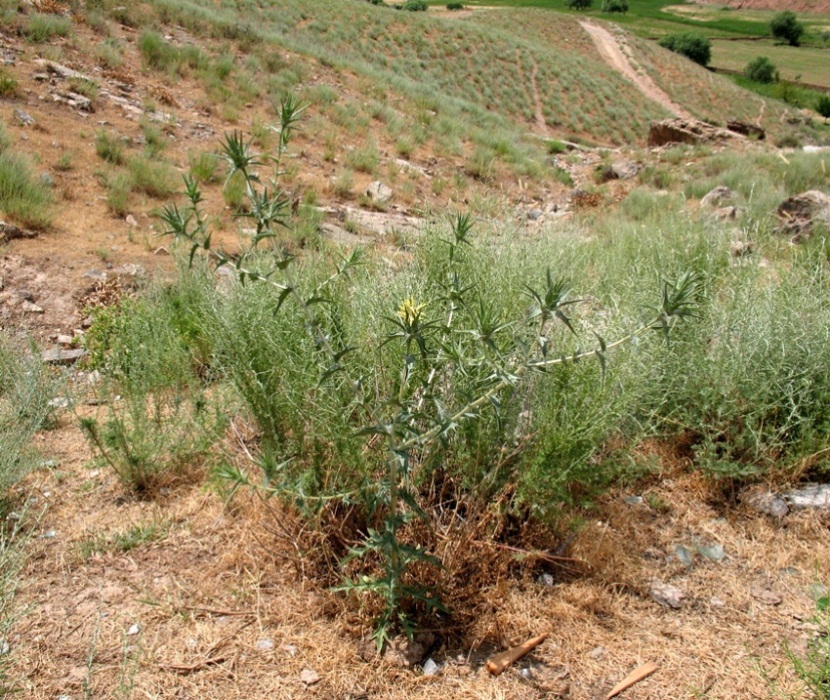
point(687, 131)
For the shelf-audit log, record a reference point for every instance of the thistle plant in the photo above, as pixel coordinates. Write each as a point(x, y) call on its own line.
point(454, 357)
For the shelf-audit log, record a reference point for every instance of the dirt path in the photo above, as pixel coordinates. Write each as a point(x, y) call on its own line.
point(539, 107)
point(614, 54)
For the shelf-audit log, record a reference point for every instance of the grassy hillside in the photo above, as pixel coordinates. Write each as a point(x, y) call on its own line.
point(492, 65)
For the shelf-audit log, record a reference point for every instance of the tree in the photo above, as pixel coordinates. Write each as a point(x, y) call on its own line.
point(610, 6)
point(692, 45)
point(579, 4)
point(823, 107)
point(785, 25)
point(761, 70)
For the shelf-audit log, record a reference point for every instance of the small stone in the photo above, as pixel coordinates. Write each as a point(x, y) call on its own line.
point(133, 631)
point(718, 197)
point(765, 596)
point(96, 275)
point(818, 591)
point(624, 169)
point(264, 644)
point(50, 535)
point(431, 668)
point(47, 180)
point(26, 295)
point(31, 308)
point(633, 500)
point(716, 602)
point(527, 674)
point(534, 214)
point(684, 555)
point(64, 339)
point(23, 118)
point(62, 357)
point(58, 402)
point(378, 192)
point(789, 571)
point(4, 647)
point(739, 249)
point(768, 503)
point(667, 595)
point(546, 580)
point(309, 676)
point(598, 653)
point(714, 552)
point(131, 222)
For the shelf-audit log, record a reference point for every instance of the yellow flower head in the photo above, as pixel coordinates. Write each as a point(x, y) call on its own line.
point(409, 311)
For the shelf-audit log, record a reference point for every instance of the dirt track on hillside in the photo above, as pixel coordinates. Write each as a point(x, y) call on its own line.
point(618, 57)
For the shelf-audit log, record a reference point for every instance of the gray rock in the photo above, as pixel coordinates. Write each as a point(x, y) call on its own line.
point(818, 591)
point(740, 249)
point(633, 500)
point(546, 580)
point(534, 214)
point(431, 668)
point(799, 213)
point(768, 503)
point(4, 647)
point(26, 295)
point(809, 496)
point(23, 118)
point(718, 197)
point(57, 356)
point(765, 596)
point(9, 232)
point(134, 630)
point(31, 308)
point(624, 169)
point(714, 551)
point(264, 644)
point(309, 676)
point(667, 595)
point(96, 275)
point(131, 222)
point(378, 192)
point(47, 180)
point(684, 555)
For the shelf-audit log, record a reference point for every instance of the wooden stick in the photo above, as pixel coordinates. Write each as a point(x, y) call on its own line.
point(635, 676)
point(500, 662)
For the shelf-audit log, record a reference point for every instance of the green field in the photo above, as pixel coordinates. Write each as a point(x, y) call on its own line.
point(801, 64)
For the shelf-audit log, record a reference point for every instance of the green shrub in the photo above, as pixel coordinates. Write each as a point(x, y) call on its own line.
point(151, 352)
point(109, 146)
point(615, 6)
point(692, 45)
point(455, 5)
point(153, 177)
point(42, 27)
point(25, 391)
point(23, 196)
point(785, 25)
point(415, 6)
point(8, 85)
point(823, 107)
point(761, 70)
